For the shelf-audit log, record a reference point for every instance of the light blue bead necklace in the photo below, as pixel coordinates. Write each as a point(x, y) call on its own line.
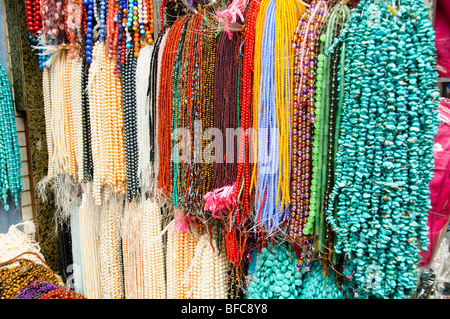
point(269, 215)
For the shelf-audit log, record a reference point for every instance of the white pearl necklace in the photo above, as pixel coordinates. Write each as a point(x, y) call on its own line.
point(77, 113)
point(89, 215)
point(110, 257)
point(210, 269)
point(152, 249)
point(48, 121)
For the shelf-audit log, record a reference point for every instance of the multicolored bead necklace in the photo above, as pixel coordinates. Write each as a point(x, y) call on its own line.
point(304, 155)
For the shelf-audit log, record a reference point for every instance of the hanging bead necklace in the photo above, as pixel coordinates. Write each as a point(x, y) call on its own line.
point(165, 105)
point(130, 125)
point(87, 146)
point(329, 97)
point(380, 197)
point(153, 90)
point(225, 107)
point(109, 248)
point(189, 182)
point(236, 235)
point(10, 160)
point(177, 102)
point(305, 45)
point(33, 17)
point(89, 11)
point(209, 57)
point(268, 139)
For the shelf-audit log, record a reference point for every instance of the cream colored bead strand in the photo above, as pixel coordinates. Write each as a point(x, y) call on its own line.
point(77, 112)
point(170, 252)
point(72, 167)
point(58, 114)
point(88, 220)
point(48, 121)
point(110, 246)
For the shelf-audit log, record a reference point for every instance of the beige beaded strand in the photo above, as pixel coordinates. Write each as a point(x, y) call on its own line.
point(77, 112)
point(89, 215)
point(110, 259)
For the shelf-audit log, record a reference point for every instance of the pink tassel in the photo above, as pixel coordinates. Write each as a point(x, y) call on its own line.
point(180, 224)
point(236, 8)
point(220, 200)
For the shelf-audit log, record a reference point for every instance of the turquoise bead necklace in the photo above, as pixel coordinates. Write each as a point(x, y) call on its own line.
point(275, 277)
point(379, 203)
point(10, 160)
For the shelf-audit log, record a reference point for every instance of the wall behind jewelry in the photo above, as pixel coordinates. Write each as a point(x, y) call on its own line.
point(24, 211)
point(26, 78)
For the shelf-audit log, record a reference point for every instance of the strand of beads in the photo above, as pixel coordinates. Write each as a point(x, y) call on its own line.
point(379, 203)
point(268, 139)
point(109, 248)
point(33, 17)
point(57, 94)
point(303, 158)
point(130, 249)
point(177, 102)
point(154, 85)
point(77, 112)
point(327, 99)
point(89, 9)
point(10, 162)
point(87, 142)
point(130, 125)
point(96, 88)
point(189, 108)
point(286, 22)
point(318, 286)
point(181, 247)
point(151, 247)
point(166, 104)
point(52, 14)
point(170, 261)
point(209, 270)
point(89, 217)
point(145, 167)
point(237, 222)
point(209, 57)
point(76, 247)
point(71, 159)
point(335, 98)
point(226, 73)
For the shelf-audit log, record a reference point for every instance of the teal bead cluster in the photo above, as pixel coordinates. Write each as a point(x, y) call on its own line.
point(10, 160)
point(317, 286)
point(275, 277)
point(380, 200)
